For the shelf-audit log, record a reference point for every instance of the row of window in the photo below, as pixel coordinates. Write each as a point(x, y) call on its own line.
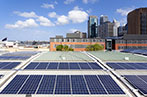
point(77, 40)
point(74, 46)
point(132, 47)
point(131, 41)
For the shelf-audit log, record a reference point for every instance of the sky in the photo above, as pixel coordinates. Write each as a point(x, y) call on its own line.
point(42, 19)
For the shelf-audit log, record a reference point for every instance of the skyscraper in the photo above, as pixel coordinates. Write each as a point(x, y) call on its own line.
point(137, 21)
point(92, 27)
point(103, 19)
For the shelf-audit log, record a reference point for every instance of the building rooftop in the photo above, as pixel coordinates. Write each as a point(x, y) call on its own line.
point(68, 74)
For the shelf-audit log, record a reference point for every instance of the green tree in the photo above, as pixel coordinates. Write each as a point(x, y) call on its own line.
point(65, 48)
point(59, 48)
point(94, 47)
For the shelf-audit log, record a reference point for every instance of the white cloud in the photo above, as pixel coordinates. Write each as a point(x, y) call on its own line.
point(62, 20)
point(73, 30)
point(77, 16)
point(22, 24)
point(52, 15)
point(123, 21)
point(45, 21)
point(68, 1)
point(26, 14)
point(124, 11)
point(45, 5)
point(89, 1)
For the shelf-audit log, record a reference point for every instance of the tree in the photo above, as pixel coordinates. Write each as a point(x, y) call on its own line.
point(94, 47)
point(63, 48)
point(59, 48)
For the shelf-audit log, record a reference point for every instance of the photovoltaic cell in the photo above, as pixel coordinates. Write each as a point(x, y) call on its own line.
point(32, 65)
point(84, 66)
point(31, 85)
point(128, 65)
point(47, 85)
point(52, 65)
point(94, 85)
point(42, 66)
point(110, 85)
point(63, 65)
point(74, 66)
point(14, 85)
point(139, 82)
point(78, 85)
point(63, 85)
point(94, 65)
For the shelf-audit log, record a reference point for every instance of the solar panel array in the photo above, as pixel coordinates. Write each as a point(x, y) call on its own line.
point(17, 55)
point(138, 81)
point(62, 84)
point(8, 65)
point(136, 51)
point(63, 65)
point(128, 65)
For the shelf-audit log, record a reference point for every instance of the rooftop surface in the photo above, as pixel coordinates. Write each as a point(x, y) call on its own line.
point(117, 56)
point(41, 66)
point(63, 56)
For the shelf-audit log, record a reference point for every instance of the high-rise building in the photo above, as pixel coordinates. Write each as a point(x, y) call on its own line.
point(115, 27)
point(106, 30)
point(103, 19)
point(137, 21)
point(93, 27)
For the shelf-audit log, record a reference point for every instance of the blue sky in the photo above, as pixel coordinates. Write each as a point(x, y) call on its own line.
point(42, 19)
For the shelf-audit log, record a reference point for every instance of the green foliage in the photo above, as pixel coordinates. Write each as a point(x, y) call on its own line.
point(70, 49)
point(59, 48)
point(63, 48)
point(94, 47)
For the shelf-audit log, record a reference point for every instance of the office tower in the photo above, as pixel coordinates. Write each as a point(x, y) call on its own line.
point(93, 27)
point(137, 21)
point(115, 27)
point(106, 30)
point(103, 19)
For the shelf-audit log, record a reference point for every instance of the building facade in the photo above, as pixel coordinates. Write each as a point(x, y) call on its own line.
point(93, 27)
point(106, 30)
point(78, 44)
point(137, 21)
point(103, 19)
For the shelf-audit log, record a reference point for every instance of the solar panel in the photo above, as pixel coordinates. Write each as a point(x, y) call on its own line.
point(52, 65)
point(8, 65)
point(32, 65)
point(63, 65)
point(128, 65)
point(47, 85)
point(42, 65)
point(110, 85)
point(63, 85)
point(31, 85)
point(139, 82)
point(94, 85)
point(74, 66)
point(84, 66)
point(78, 85)
point(14, 85)
point(94, 65)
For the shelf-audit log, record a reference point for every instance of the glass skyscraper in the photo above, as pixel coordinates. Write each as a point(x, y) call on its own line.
point(93, 27)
